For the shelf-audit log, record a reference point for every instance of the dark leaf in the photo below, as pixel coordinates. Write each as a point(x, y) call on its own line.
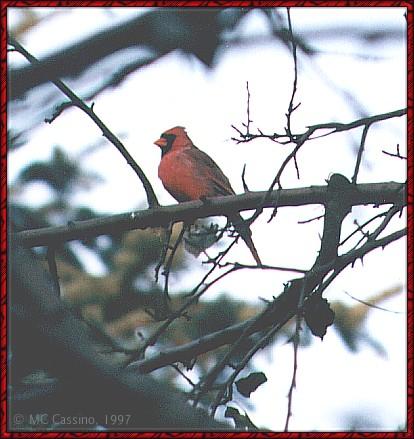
point(318, 315)
point(241, 422)
point(248, 385)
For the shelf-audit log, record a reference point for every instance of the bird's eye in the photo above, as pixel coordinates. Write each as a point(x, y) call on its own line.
point(168, 137)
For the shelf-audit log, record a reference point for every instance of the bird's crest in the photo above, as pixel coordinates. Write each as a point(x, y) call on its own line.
point(178, 130)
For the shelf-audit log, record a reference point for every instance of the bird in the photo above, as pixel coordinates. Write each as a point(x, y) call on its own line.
point(189, 174)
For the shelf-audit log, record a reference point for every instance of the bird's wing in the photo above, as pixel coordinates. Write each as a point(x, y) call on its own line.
point(211, 172)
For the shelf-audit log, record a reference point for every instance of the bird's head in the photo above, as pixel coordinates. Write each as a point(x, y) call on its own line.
point(173, 138)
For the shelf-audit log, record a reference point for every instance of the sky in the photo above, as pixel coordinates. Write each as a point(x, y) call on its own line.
point(176, 90)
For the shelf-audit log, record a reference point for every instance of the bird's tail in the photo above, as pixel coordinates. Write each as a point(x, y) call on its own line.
point(243, 229)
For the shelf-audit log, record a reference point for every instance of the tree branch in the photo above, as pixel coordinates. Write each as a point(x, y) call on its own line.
point(151, 197)
point(335, 127)
point(160, 31)
point(371, 193)
point(69, 350)
point(277, 314)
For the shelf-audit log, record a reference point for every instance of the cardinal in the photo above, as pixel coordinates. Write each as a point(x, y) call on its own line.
point(188, 173)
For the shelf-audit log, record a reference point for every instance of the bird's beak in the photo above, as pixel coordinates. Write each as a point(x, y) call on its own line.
point(162, 143)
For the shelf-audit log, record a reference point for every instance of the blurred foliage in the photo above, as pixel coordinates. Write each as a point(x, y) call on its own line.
point(204, 34)
point(60, 173)
point(124, 303)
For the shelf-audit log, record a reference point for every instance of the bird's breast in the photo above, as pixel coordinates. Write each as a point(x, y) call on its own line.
point(188, 178)
point(180, 178)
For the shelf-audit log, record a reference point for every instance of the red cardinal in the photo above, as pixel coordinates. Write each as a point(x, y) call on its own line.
point(190, 174)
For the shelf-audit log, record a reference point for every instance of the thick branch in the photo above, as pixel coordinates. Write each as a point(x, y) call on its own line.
point(151, 197)
point(156, 30)
point(372, 193)
point(282, 310)
point(70, 352)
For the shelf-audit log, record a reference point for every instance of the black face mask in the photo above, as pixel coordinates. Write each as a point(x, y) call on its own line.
point(170, 140)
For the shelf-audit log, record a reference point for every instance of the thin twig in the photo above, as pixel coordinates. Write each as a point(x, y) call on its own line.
point(248, 109)
point(388, 217)
point(271, 317)
point(397, 155)
point(311, 219)
point(204, 385)
point(361, 227)
point(194, 297)
point(245, 187)
point(151, 197)
point(291, 107)
point(164, 250)
point(167, 267)
point(227, 386)
point(180, 372)
point(371, 305)
point(296, 339)
point(360, 152)
point(264, 267)
point(352, 256)
point(334, 127)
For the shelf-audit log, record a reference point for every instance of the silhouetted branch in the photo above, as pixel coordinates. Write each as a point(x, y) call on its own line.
point(167, 267)
point(370, 193)
point(280, 311)
point(293, 299)
point(334, 127)
point(151, 197)
point(397, 154)
point(165, 247)
point(197, 32)
point(360, 152)
point(292, 107)
point(195, 295)
point(72, 357)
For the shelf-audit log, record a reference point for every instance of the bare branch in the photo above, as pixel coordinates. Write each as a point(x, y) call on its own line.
point(227, 386)
point(195, 295)
point(248, 109)
point(164, 251)
point(167, 267)
point(397, 154)
point(245, 186)
point(143, 31)
point(291, 107)
point(72, 351)
point(278, 313)
point(264, 267)
point(360, 152)
point(372, 305)
point(334, 127)
point(371, 193)
point(151, 197)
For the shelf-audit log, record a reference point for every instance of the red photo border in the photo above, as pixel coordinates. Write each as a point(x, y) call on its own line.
point(4, 4)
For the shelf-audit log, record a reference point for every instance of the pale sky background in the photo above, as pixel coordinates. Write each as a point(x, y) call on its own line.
point(175, 90)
